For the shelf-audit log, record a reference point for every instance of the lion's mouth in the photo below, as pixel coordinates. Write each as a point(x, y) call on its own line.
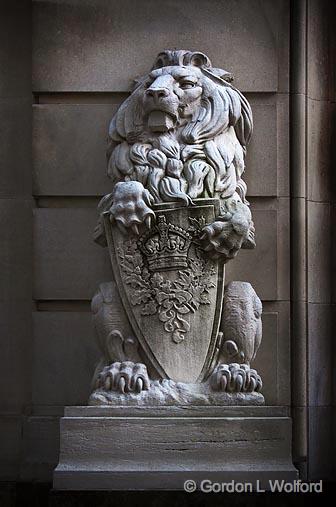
point(161, 121)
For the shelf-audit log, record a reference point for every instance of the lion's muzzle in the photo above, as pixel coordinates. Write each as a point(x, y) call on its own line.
point(161, 104)
point(157, 94)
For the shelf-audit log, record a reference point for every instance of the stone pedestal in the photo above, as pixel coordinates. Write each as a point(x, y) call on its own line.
point(159, 448)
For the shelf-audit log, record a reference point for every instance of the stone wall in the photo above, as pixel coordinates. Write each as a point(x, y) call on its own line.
point(85, 54)
point(16, 231)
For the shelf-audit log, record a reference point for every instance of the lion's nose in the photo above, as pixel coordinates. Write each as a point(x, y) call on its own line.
point(157, 93)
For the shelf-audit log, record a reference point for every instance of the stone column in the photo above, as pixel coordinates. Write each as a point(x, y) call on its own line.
point(312, 105)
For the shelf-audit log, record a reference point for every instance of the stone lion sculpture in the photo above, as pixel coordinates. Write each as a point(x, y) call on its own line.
point(180, 136)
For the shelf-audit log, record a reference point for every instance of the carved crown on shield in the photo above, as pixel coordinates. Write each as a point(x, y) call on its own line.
point(165, 246)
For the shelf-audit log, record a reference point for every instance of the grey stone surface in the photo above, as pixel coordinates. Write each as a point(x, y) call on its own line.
point(15, 303)
point(299, 226)
point(241, 323)
point(271, 361)
point(64, 34)
point(318, 267)
point(177, 213)
point(318, 49)
point(64, 349)
point(259, 266)
point(177, 411)
point(261, 164)
point(298, 145)
point(15, 226)
point(267, 361)
point(69, 144)
point(299, 353)
point(204, 445)
point(333, 249)
point(40, 448)
point(16, 355)
point(169, 393)
point(318, 155)
point(15, 215)
point(283, 249)
point(320, 440)
point(11, 446)
point(72, 181)
point(68, 265)
point(273, 358)
point(300, 432)
point(287, 469)
point(282, 15)
point(15, 52)
point(15, 147)
point(62, 235)
point(284, 389)
point(320, 354)
point(333, 373)
point(70, 141)
point(283, 145)
point(311, 231)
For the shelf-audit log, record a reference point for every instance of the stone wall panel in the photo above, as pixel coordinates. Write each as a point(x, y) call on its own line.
point(79, 44)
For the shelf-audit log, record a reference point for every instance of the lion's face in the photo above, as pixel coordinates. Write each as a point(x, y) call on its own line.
point(182, 132)
point(173, 91)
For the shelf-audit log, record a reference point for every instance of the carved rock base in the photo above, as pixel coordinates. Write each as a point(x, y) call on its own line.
point(168, 392)
point(143, 448)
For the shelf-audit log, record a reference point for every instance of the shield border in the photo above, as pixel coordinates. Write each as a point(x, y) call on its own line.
point(209, 359)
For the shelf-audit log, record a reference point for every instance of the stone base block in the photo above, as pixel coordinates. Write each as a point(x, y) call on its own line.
point(159, 448)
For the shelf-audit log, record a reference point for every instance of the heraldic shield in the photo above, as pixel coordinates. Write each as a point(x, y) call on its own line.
point(171, 291)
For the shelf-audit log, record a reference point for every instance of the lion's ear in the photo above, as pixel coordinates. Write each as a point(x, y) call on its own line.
point(181, 57)
point(199, 60)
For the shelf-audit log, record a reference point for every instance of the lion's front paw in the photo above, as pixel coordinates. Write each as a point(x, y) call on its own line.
point(131, 206)
point(231, 231)
point(235, 377)
point(124, 377)
point(223, 238)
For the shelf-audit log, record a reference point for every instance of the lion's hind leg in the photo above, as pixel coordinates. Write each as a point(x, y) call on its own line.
point(121, 368)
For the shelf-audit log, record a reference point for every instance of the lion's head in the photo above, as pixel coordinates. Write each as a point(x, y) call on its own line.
point(183, 131)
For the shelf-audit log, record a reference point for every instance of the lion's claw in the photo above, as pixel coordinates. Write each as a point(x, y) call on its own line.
point(220, 239)
point(235, 377)
point(131, 206)
point(125, 377)
point(231, 231)
point(225, 236)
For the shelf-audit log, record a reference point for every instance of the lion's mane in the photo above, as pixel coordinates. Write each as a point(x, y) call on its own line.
point(203, 158)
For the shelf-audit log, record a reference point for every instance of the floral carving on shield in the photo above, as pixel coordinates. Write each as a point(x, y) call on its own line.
point(172, 300)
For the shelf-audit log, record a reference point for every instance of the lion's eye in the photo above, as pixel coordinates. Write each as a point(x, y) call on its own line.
point(185, 85)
